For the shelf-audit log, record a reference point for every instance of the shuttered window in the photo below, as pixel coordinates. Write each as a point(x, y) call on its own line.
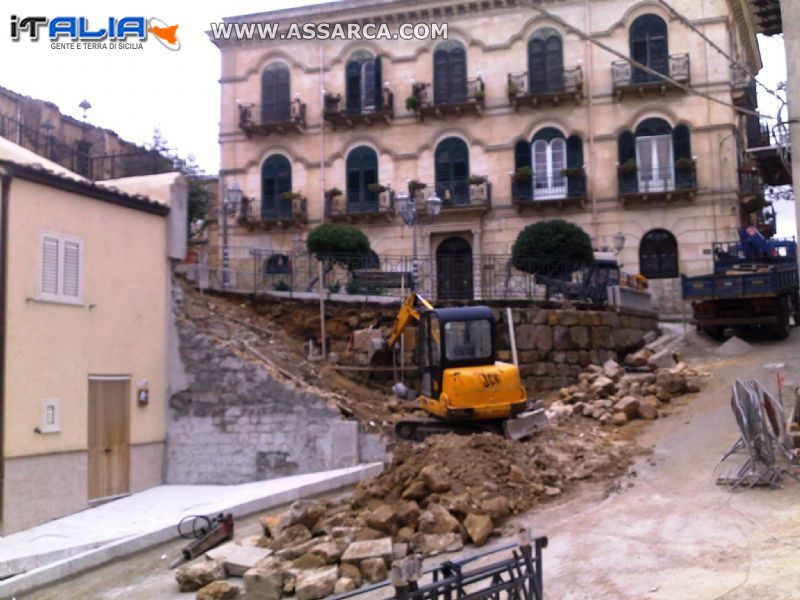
point(60, 268)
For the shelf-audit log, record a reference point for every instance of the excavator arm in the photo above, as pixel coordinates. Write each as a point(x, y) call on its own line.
point(409, 311)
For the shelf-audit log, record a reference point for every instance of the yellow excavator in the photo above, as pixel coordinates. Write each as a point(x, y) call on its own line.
point(462, 385)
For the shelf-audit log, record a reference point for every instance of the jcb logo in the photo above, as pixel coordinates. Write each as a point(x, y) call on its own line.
point(489, 379)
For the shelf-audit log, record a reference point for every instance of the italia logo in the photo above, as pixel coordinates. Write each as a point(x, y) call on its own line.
point(113, 32)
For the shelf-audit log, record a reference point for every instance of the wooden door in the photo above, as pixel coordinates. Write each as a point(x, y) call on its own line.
point(108, 437)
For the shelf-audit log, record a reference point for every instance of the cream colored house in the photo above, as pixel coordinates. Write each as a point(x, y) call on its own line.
point(85, 310)
point(611, 148)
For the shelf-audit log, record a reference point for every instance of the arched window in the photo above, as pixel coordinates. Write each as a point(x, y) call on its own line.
point(275, 94)
point(549, 152)
point(276, 179)
point(451, 162)
point(658, 255)
point(363, 83)
point(449, 73)
point(545, 62)
point(655, 156)
point(362, 171)
point(648, 46)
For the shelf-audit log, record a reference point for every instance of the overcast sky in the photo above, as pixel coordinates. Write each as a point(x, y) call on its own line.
point(135, 91)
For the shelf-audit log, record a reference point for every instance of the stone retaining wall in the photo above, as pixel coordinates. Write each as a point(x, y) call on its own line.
point(555, 345)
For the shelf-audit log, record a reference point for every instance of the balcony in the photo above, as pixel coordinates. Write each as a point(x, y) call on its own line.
point(627, 78)
point(546, 191)
point(522, 92)
point(264, 119)
point(335, 111)
point(751, 189)
point(656, 184)
point(285, 211)
point(769, 146)
point(424, 104)
point(743, 88)
point(360, 206)
point(471, 197)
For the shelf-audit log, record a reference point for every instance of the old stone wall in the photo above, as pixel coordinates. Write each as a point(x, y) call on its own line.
point(236, 422)
point(555, 345)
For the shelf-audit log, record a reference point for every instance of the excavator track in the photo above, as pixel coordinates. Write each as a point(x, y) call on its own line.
point(519, 427)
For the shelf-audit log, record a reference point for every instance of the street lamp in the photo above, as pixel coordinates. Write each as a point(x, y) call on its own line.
point(412, 217)
point(619, 241)
point(231, 201)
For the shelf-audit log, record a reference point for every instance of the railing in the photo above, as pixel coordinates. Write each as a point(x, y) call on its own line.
point(766, 221)
point(335, 109)
point(570, 81)
point(76, 156)
point(264, 117)
point(439, 278)
point(549, 187)
point(361, 202)
point(740, 78)
point(750, 183)
point(676, 66)
point(463, 195)
point(655, 180)
point(473, 93)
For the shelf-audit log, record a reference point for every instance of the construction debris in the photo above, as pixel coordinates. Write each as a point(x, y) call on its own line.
point(615, 397)
point(734, 346)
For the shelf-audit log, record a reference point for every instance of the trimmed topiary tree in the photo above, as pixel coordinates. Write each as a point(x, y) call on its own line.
point(552, 247)
point(329, 239)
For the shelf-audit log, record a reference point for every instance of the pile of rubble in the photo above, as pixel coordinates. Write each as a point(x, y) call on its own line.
point(434, 498)
point(613, 396)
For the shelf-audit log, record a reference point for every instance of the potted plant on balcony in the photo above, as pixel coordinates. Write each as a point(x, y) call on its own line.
point(412, 103)
point(572, 172)
point(629, 166)
point(477, 179)
point(376, 188)
point(479, 94)
point(523, 174)
point(512, 90)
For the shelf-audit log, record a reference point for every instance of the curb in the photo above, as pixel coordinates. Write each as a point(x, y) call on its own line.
point(77, 563)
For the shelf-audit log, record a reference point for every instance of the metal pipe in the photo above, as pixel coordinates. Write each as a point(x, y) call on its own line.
point(512, 336)
point(590, 114)
point(322, 312)
point(322, 126)
point(5, 186)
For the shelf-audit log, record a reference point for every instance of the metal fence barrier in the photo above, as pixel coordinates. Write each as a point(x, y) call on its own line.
point(451, 278)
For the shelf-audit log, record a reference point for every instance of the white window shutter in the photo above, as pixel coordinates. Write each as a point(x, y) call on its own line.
point(50, 248)
point(72, 265)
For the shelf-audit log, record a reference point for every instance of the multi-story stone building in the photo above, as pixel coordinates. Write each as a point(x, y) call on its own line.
point(514, 118)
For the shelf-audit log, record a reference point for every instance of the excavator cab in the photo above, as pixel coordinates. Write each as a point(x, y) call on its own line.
point(451, 338)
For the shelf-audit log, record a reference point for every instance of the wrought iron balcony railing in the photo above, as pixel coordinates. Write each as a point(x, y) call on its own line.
point(425, 102)
point(279, 117)
point(567, 82)
point(549, 188)
point(656, 181)
point(626, 77)
point(359, 204)
point(462, 196)
point(282, 210)
point(336, 113)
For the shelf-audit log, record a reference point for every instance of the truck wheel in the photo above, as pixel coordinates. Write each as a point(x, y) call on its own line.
point(781, 330)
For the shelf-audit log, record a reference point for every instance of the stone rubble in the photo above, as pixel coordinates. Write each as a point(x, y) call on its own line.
point(613, 396)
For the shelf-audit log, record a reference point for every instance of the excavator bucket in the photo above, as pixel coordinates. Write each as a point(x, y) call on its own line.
point(527, 423)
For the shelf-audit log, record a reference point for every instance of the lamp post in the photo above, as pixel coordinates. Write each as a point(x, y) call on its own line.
point(412, 217)
point(232, 199)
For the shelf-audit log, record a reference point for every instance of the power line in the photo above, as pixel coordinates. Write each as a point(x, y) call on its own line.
point(716, 47)
point(643, 67)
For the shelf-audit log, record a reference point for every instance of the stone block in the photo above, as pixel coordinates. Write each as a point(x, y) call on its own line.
point(243, 559)
point(358, 551)
point(312, 585)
